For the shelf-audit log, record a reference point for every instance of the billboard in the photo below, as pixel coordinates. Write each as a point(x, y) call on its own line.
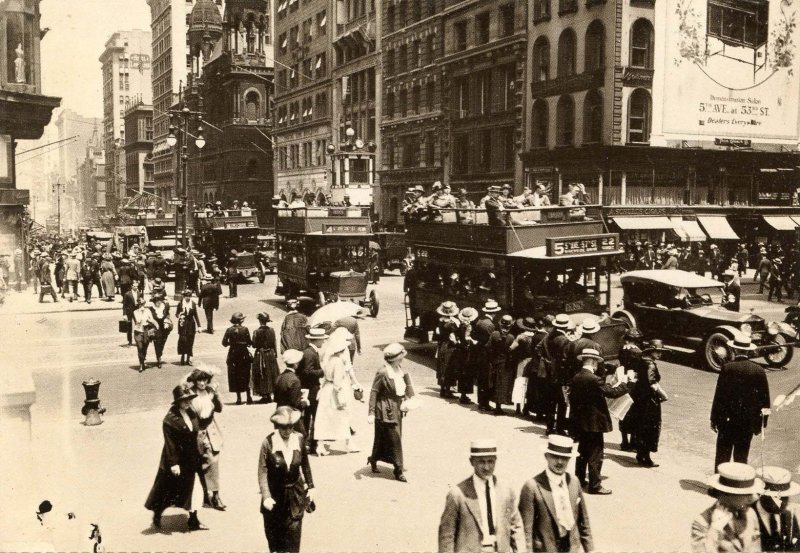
point(728, 68)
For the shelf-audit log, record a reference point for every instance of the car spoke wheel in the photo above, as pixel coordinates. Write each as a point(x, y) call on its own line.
point(716, 351)
point(779, 357)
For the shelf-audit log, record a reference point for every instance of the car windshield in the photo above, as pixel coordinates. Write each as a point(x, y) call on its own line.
point(700, 296)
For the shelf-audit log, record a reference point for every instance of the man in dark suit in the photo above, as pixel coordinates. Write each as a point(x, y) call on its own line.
point(310, 371)
point(494, 207)
point(481, 333)
point(288, 390)
point(589, 328)
point(737, 412)
point(553, 354)
point(480, 513)
point(209, 300)
point(590, 419)
point(128, 307)
point(551, 504)
point(779, 520)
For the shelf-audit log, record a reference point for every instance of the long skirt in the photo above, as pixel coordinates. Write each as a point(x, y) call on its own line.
point(265, 372)
point(283, 532)
point(332, 423)
point(209, 453)
point(109, 286)
point(645, 416)
point(186, 343)
point(505, 373)
point(171, 491)
point(463, 369)
point(239, 371)
point(388, 444)
point(444, 376)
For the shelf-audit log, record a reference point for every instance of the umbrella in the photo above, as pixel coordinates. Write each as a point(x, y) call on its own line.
point(374, 245)
point(332, 312)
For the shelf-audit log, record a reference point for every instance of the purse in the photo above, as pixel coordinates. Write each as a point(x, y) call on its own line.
point(124, 326)
point(358, 394)
point(410, 404)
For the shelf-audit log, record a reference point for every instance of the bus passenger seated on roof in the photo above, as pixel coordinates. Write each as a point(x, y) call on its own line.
point(494, 208)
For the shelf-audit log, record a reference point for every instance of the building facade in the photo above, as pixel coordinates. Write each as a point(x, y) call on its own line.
point(126, 77)
point(303, 121)
point(92, 183)
point(139, 148)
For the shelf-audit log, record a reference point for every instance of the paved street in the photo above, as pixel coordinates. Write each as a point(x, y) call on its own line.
point(105, 472)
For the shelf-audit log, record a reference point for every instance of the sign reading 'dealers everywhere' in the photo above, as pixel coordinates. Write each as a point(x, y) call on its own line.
point(577, 245)
point(727, 68)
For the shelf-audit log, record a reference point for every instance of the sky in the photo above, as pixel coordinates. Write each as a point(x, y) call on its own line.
point(78, 33)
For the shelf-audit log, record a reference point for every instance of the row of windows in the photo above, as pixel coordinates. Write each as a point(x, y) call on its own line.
point(482, 28)
point(124, 81)
point(410, 102)
point(310, 28)
point(640, 55)
point(304, 72)
point(411, 150)
point(307, 154)
point(358, 87)
point(639, 119)
point(411, 56)
point(407, 12)
point(541, 8)
point(303, 111)
point(353, 9)
point(162, 45)
point(484, 151)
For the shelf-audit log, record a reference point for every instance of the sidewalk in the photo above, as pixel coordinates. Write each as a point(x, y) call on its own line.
point(27, 303)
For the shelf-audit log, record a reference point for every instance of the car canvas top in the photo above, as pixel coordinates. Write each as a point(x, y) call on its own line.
point(671, 277)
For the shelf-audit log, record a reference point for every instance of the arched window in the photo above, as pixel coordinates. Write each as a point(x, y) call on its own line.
point(566, 53)
point(639, 115)
point(595, 53)
point(540, 123)
point(541, 59)
point(565, 121)
point(252, 105)
point(593, 117)
point(642, 44)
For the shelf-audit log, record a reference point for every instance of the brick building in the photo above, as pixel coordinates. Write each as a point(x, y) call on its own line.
point(138, 148)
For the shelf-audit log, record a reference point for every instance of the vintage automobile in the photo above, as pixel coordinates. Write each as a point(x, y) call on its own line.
point(265, 254)
point(685, 310)
point(393, 252)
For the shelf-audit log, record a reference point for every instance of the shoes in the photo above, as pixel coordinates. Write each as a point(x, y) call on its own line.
point(465, 400)
point(626, 446)
point(600, 491)
point(158, 363)
point(400, 477)
point(238, 402)
point(207, 501)
point(157, 519)
point(188, 362)
point(217, 502)
point(249, 401)
point(323, 452)
point(141, 368)
point(373, 464)
point(194, 523)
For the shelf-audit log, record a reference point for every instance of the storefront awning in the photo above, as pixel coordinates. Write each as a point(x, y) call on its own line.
point(643, 223)
point(780, 222)
point(689, 231)
point(717, 227)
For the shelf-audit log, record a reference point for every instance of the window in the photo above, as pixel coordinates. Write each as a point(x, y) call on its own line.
point(460, 153)
point(402, 59)
point(415, 98)
point(388, 150)
point(430, 94)
point(484, 92)
point(642, 44)
point(403, 13)
point(460, 30)
point(639, 112)
point(482, 28)
point(507, 20)
point(390, 15)
point(430, 54)
point(484, 152)
point(390, 62)
point(403, 103)
point(509, 148)
point(390, 105)
point(541, 59)
point(565, 121)
point(415, 54)
point(320, 66)
point(567, 6)
point(322, 22)
point(430, 149)
point(541, 10)
point(461, 97)
point(593, 117)
point(595, 53)
point(252, 105)
point(410, 147)
point(566, 53)
point(416, 9)
point(540, 121)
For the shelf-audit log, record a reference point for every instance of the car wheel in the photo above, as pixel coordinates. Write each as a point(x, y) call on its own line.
point(716, 352)
point(374, 304)
point(779, 357)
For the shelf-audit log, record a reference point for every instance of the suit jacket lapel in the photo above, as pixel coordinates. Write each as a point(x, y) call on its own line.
point(547, 494)
point(471, 499)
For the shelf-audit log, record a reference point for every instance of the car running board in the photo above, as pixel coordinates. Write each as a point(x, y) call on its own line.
point(680, 349)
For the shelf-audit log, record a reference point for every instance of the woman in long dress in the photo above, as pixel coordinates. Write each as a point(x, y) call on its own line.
point(391, 386)
point(265, 360)
point(160, 311)
point(335, 398)
point(294, 328)
point(108, 277)
point(503, 370)
point(188, 323)
point(209, 437)
point(446, 338)
point(645, 412)
point(237, 340)
point(461, 362)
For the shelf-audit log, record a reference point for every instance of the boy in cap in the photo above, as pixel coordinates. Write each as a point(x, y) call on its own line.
point(552, 506)
point(480, 514)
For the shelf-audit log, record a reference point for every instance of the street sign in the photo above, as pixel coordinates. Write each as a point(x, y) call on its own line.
point(175, 202)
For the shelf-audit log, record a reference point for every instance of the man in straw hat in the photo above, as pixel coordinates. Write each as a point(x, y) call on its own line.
point(588, 330)
point(552, 506)
point(741, 403)
point(730, 524)
point(309, 371)
point(482, 331)
point(778, 520)
point(551, 355)
point(480, 514)
point(590, 419)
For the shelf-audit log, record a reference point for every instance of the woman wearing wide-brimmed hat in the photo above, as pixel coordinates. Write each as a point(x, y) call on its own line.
point(265, 359)
point(502, 372)
point(387, 406)
point(284, 477)
point(108, 277)
point(630, 357)
point(180, 460)
point(209, 438)
point(237, 340)
point(188, 323)
point(446, 338)
point(462, 363)
point(160, 310)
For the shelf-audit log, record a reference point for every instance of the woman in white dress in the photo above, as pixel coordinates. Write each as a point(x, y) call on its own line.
point(334, 413)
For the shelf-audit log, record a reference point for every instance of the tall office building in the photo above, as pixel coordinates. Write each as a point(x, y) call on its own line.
point(126, 78)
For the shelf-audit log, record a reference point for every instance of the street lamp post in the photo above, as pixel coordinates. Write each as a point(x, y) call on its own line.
point(57, 189)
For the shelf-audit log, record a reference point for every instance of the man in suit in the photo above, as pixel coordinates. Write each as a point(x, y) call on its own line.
point(128, 307)
point(590, 419)
point(288, 390)
point(480, 514)
point(481, 334)
point(588, 329)
point(553, 353)
point(494, 207)
point(552, 506)
point(310, 371)
point(778, 520)
point(209, 300)
point(741, 403)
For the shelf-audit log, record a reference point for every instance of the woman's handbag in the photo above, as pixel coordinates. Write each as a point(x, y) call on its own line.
point(410, 404)
point(167, 325)
point(124, 326)
point(358, 394)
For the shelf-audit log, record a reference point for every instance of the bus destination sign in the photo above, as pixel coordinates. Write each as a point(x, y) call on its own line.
point(578, 245)
point(345, 229)
point(239, 224)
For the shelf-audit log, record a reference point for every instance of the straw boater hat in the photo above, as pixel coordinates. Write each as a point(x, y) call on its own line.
point(506, 321)
point(447, 309)
point(561, 321)
point(491, 306)
point(589, 326)
point(394, 351)
point(483, 448)
point(736, 479)
point(468, 314)
point(653, 345)
point(527, 324)
point(590, 353)
point(181, 392)
point(285, 416)
point(742, 343)
point(316, 334)
point(292, 356)
point(560, 446)
point(237, 317)
point(778, 482)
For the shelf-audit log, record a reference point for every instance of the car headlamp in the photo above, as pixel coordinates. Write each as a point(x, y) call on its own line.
point(773, 329)
point(747, 330)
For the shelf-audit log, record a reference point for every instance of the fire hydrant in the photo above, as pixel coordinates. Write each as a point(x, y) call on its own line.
point(91, 406)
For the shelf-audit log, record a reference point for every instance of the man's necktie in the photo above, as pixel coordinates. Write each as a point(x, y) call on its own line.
point(489, 515)
point(564, 514)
